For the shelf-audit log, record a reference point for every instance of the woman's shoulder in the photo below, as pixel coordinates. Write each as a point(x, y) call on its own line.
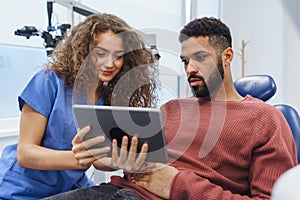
point(47, 76)
point(44, 72)
point(44, 82)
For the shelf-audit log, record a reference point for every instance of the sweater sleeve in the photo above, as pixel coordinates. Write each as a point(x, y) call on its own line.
point(273, 153)
point(188, 185)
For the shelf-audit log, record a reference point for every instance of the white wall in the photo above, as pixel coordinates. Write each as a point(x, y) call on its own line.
point(253, 21)
point(290, 53)
point(17, 65)
point(9, 131)
point(273, 43)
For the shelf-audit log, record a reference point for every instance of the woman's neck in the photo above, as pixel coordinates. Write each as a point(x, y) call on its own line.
point(93, 93)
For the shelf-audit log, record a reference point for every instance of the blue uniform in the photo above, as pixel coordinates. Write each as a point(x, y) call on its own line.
point(47, 94)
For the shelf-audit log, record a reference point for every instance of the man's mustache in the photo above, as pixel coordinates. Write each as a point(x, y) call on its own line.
point(195, 76)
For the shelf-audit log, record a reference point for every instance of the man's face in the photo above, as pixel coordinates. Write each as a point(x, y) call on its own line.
point(202, 65)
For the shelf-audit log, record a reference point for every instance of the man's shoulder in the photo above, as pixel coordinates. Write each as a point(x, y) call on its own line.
point(180, 101)
point(258, 104)
point(262, 110)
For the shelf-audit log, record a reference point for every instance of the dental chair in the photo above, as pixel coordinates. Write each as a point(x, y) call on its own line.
point(259, 86)
point(264, 87)
point(287, 185)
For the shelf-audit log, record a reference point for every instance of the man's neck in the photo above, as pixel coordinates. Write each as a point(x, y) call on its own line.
point(226, 92)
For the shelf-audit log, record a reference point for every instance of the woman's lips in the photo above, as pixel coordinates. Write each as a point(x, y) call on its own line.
point(107, 73)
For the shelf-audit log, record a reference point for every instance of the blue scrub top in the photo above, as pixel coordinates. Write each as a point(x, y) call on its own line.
point(47, 94)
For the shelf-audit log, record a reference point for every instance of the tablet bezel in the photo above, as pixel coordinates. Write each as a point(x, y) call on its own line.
point(145, 123)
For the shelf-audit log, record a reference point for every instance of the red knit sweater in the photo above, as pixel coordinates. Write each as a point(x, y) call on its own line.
point(232, 150)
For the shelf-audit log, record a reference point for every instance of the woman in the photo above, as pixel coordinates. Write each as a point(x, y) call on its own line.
point(99, 57)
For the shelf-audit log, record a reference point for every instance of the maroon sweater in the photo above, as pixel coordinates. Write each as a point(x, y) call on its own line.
point(223, 150)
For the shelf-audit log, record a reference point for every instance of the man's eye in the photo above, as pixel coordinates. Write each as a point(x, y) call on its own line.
point(185, 61)
point(199, 57)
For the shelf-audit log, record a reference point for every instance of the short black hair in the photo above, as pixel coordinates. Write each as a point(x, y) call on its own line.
point(218, 32)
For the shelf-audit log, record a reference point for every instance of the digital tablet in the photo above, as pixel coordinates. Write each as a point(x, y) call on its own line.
point(114, 122)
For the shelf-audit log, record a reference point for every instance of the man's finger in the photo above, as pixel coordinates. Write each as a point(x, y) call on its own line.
point(141, 157)
point(115, 156)
point(123, 152)
point(133, 150)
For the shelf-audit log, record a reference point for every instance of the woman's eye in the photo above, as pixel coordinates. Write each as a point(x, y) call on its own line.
point(101, 54)
point(118, 57)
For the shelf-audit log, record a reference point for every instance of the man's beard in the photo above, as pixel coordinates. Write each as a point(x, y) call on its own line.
point(212, 84)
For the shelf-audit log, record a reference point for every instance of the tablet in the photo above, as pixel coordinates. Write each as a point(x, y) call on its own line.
point(114, 122)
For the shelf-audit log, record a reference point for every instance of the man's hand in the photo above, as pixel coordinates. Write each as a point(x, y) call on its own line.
point(158, 180)
point(128, 160)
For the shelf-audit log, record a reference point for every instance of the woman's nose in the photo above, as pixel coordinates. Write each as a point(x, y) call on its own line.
point(109, 61)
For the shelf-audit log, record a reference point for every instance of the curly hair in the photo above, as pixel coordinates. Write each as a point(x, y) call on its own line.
point(70, 61)
point(218, 33)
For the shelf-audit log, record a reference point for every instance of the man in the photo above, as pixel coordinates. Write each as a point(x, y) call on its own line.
point(221, 145)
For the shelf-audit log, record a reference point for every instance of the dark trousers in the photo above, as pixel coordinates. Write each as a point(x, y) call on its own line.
point(102, 191)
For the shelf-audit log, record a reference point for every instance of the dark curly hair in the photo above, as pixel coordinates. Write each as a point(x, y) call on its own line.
point(70, 61)
point(218, 33)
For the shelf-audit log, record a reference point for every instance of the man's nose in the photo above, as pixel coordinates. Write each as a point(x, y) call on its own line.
point(191, 68)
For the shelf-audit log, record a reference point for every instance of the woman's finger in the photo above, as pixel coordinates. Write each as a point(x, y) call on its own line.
point(93, 141)
point(99, 153)
point(80, 134)
point(87, 162)
point(82, 154)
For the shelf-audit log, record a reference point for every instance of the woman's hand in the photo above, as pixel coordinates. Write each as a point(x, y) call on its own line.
point(128, 160)
point(82, 150)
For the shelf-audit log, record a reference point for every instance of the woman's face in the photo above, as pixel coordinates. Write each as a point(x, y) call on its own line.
point(108, 56)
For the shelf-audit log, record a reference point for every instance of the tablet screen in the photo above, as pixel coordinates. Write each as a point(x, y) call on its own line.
point(114, 122)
